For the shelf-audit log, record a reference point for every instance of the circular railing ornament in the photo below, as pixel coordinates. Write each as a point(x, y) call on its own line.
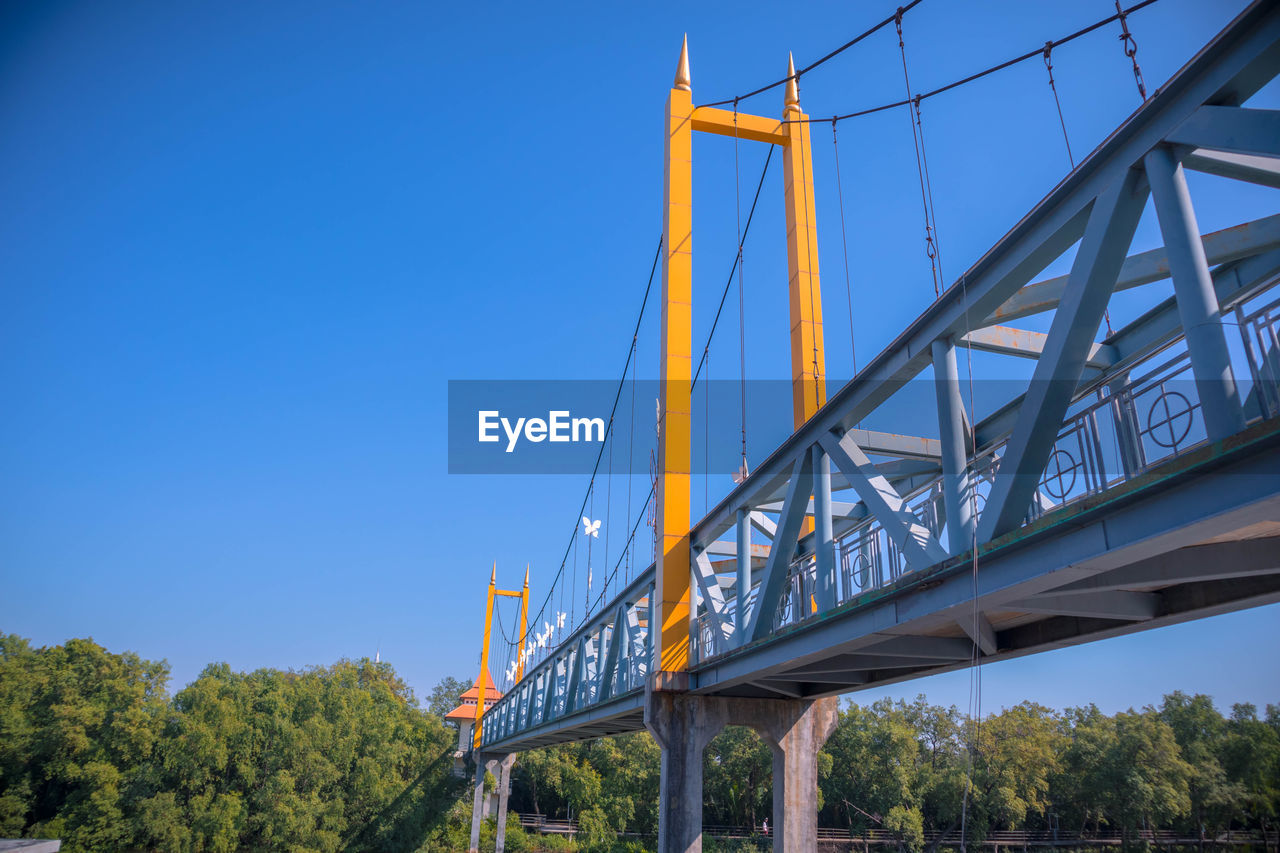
point(1169, 419)
point(1059, 474)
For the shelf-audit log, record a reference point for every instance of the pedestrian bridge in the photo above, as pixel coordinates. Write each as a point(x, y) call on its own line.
point(1132, 483)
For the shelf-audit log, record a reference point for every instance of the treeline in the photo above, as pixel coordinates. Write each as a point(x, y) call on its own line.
point(906, 768)
point(95, 751)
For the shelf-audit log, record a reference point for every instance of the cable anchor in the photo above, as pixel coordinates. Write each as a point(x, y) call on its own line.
point(1131, 49)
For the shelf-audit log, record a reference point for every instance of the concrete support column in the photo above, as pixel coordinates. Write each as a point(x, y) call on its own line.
point(795, 731)
point(1197, 301)
point(682, 725)
point(504, 792)
point(956, 483)
point(477, 803)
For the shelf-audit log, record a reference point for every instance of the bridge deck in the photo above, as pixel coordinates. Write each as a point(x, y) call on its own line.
point(1121, 492)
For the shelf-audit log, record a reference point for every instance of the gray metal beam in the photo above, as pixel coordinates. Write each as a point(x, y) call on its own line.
point(957, 485)
point(918, 545)
point(1112, 221)
point(823, 535)
point(1231, 68)
point(1238, 129)
point(713, 598)
point(933, 648)
point(1240, 167)
point(764, 524)
point(1220, 247)
point(852, 663)
point(1148, 333)
point(1197, 303)
point(979, 630)
point(743, 577)
point(608, 675)
point(1006, 340)
point(1216, 561)
point(799, 487)
point(892, 444)
point(1100, 605)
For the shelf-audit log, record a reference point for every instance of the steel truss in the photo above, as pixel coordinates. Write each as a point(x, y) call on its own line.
point(1135, 483)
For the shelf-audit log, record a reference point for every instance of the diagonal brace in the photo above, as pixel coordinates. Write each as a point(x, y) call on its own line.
point(1112, 221)
point(884, 503)
point(713, 596)
point(776, 568)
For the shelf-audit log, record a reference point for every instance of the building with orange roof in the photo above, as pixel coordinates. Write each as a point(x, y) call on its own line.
point(465, 716)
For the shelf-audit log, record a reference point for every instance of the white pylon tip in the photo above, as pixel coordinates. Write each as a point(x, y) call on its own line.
point(683, 80)
point(792, 98)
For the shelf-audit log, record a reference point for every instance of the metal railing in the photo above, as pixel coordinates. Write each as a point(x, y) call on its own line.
point(1142, 416)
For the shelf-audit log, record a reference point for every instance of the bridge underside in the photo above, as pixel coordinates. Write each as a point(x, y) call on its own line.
point(1198, 536)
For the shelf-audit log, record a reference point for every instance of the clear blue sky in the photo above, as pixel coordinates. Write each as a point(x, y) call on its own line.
point(244, 248)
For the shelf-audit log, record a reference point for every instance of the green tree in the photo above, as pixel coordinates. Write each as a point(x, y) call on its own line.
point(1200, 732)
point(874, 756)
point(446, 696)
point(1251, 760)
point(78, 725)
point(1016, 753)
point(1144, 780)
point(737, 778)
point(1076, 790)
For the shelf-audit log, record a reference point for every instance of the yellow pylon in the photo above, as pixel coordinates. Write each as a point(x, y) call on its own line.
point(808, 359)
point(523, 595)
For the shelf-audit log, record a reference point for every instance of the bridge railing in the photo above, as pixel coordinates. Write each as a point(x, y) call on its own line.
point(1127, 422)
point(603, 659)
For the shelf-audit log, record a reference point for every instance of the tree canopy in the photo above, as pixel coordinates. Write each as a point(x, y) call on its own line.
point(94, 750)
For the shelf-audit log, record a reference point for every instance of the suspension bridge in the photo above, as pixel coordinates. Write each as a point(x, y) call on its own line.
point(1134, 482)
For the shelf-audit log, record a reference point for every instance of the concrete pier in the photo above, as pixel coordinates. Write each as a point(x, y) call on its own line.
point(504, 793)
point(500, 766)
point(683, 725)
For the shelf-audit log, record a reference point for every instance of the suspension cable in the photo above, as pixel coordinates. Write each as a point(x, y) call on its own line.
point(591, 511)
point(714, 323)
point(1131, 48)
point(630, 540)
point(573, 539)
point(928, 185)
point(844, 240)
point(1039, 51)
point(745, 230)
point(839, 50)
point(608, 496)
point(930, 248)
point(703, 361)
point(1048, 64)
point(742, 310)
point(631, 443)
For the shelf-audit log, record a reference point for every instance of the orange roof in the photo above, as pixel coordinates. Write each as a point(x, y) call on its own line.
point(467, 710)
point(490, 689)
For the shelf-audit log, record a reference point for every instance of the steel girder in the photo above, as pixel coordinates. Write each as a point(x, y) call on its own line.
point(1125, 555)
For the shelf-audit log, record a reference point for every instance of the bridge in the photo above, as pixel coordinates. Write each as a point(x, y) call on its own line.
point(1133, 483)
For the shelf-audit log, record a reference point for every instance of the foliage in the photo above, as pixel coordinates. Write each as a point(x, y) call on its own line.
point(446, 696)
point(342, 758)
point(93, 750)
